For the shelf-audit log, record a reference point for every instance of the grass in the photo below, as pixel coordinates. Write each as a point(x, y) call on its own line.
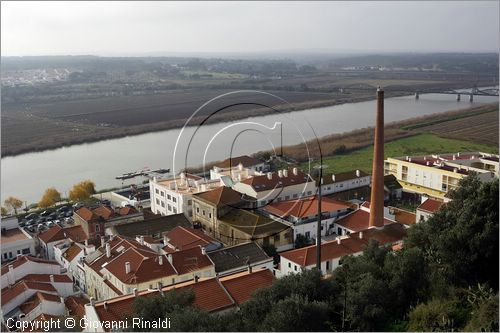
point(415, 145)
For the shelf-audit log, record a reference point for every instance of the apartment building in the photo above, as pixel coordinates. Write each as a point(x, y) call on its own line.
point(238, 168)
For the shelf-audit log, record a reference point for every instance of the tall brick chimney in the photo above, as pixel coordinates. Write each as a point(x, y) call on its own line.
point(377, 195)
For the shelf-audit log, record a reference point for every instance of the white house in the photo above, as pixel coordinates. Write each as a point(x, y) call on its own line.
point(303, 215)
point(70, 255)
point(238, 168)
point(275, 187)
point(25, 265)
point(174, 195)
point(343, 181)
point(427, 208)
point(15, 241)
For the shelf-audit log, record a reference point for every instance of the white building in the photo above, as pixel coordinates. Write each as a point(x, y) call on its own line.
point(339, 182)
point(435, 175)
point(15, 241)
point(71, 255)
point(174, 195)
point(276, 187)
point(427, 208)
point(303, 215)
point(238, 168)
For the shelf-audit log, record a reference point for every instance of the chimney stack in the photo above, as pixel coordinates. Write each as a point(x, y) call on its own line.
point(127, 267)
point(377, 193)
point(269, 175)
point(10, 275)
point(160, 260)
point(51, 278)
point(108, 250)
point(338, 240)
point(295, 171)
point(285, 173)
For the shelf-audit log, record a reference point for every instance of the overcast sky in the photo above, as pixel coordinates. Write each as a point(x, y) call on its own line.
point(135, 28)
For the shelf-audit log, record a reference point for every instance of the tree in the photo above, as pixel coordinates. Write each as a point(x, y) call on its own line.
point(301, 241)
point(4, 211)
point(460, 241)
point(49, 198)
point(82, 191)
point(13, 203)
point(438, 316)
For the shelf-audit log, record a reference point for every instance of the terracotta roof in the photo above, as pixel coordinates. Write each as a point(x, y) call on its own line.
point(185, 238)
point(358, 220)
point(405, 217)
point(263, 183)
point(306, 256)
point(104, 212)
point(342, 176)
point(189, 260)
point(36, 299)
point(60, 278)
point(76, 305)
point(210, 294)
point(253, 224)
point(430, 205)
point(144, 266)
point(127, 211)
point(86, 214)
point(13, 235)
point(221, 196)
point(72, 252)
point(21, 260)
point(387, 235)
point(57, 233)
point(9, 293)
point(243, 285)
point(246, 160)
point(304, 207)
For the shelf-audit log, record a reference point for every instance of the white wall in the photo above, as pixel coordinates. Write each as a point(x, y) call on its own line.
point(30, 268)
point(47, 307)
point(24, 246)
point(346, 185)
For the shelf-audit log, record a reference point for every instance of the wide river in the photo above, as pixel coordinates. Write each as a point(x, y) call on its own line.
point(27, 176)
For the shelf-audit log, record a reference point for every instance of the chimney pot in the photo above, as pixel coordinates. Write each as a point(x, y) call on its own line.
point(295, 171)
point(165, 239)
point(333, 178)
point(136, 293)
point(108, 250)
point(203, 250)
point(338, 240)
point(196, 278)
point(269, 175)
point(280, 173)
point(106, 306)
point(285, 173)
point(51, 278)
point(358, 173)
point(160, 260)
point(361, 235)
point(127, 267)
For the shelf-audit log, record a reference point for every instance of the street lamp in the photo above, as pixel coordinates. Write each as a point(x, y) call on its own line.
point(319, 167)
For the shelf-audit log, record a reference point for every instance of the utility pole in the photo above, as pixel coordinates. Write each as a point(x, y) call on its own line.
point(318, 230)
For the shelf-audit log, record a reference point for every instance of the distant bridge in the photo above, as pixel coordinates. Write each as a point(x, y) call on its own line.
point(458, 92)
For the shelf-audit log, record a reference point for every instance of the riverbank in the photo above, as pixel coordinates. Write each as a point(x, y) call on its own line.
point(57, 132)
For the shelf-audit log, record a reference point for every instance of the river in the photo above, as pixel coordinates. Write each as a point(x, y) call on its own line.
point(27, 176)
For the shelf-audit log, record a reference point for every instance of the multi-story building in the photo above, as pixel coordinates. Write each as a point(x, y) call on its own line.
point(238, 168)
point(435, 175)
point(303, 215)
point(56, 235)
point(174, 195)
point(279, 186)
point(15, 241)
point(122, 265)
point(298, 260)
point(344, 181)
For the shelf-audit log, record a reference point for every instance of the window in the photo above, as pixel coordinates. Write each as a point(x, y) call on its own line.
point(309, 192)
point(175, 210)
point(289, 265)
point(97, 228)
point(295, 196)
point(169, 208)
point(198, 210)
point(287, 197)
point(157, 192)
point(174, 199)
point(157, 201)
point(190, 202)
point(277, 238)
point(209, 215)
point(26, 251)
point(169, 197)
point(295, 267)
point(162, 193)
point(203, 212)
point(163, 204)
point(5, 255)
point(328, 265)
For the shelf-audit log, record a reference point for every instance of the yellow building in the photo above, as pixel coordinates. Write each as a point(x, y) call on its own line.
point(435, 175)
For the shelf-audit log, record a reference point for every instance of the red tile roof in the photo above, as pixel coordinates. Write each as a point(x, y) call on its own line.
point(36, 299)
point(76, 305)
point(72, 252)
point(86, 214)
point(242, 286)
point(144, 266)
point(221, 196)
point(306, 256)
point(56, 233)
point(430, 205)
point(358, 220)
point(190, 260)
point(246, 160)
point(103, 212)
point(60, 278)
point(185, 238)
point(9, 293)
point(262, 183)
point(304, 207)
point(21, 260)
point(211, 295)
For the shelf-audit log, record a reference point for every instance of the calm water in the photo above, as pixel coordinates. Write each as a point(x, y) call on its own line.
point(27, 176)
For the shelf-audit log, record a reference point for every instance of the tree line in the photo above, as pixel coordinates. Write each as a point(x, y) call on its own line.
point(444, 279)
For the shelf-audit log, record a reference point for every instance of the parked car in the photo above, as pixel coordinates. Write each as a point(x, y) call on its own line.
point(53, 215)
point(63, 208)
point(50, 224)
point(69, 213)
point(70, 221)
point(45, 213)
point(40, 227)
point(30, 228)
point(22, 224)
point(78, 205)
point(31, 216)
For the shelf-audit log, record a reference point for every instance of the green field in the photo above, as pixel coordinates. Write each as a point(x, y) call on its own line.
point(415, 145)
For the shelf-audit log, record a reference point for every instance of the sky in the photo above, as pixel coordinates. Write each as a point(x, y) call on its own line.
point(157, 28)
